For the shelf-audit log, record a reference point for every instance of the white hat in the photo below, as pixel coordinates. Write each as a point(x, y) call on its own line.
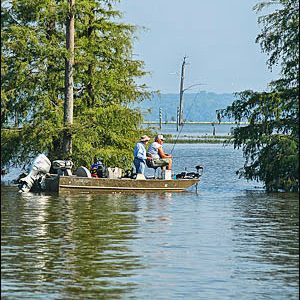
point(160, 137)
point(145, 138)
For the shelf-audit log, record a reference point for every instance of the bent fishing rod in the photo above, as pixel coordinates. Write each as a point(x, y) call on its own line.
point(177, 137)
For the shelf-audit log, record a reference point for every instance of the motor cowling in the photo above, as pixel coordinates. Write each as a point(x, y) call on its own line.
point(39, 168)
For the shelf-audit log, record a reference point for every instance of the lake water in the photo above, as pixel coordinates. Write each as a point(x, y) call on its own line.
point(230, 240)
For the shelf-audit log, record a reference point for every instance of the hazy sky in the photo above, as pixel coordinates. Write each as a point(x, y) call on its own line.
point(217, 36)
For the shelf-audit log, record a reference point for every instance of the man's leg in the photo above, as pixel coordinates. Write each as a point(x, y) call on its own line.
point(142, 167)
point(169, 167)
point(166, 162)
point(137, 165)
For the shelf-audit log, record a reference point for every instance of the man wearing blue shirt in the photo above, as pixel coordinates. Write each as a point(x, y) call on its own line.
point(139, 153)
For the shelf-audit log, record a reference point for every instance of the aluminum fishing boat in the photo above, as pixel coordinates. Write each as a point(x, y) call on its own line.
point(61, 184)
point(39, 179)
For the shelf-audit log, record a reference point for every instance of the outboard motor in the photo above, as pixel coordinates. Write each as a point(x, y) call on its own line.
point(40, 167)
point(63, 167)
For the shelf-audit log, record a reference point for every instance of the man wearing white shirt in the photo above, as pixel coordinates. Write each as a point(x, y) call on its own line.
point(160, 158)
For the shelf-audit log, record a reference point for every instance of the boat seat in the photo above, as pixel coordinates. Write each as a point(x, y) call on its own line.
point(150, 164)
point(83, 172)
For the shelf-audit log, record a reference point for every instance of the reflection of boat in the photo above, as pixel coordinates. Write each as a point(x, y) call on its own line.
point(57, 183)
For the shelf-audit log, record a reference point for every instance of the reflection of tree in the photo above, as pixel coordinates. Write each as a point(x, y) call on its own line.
point(84, 245)
point(267, 232)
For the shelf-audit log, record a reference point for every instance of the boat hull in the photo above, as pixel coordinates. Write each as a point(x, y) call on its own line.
point(84, 184)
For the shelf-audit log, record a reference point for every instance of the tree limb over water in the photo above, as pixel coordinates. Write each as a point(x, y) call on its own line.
point(270, 142)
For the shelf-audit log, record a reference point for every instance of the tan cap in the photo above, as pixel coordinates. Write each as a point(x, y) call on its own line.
point(145, 138)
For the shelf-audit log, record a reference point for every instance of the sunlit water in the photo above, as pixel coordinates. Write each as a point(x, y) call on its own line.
point(230, 240)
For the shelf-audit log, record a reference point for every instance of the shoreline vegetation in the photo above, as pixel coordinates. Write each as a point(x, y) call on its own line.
point(204, 139)
point(197, 123)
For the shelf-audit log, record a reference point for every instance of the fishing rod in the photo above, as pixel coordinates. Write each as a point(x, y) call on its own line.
point(174, 144)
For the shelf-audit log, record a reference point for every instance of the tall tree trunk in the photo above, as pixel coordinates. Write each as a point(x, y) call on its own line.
point(90, 87)
point(68, 105)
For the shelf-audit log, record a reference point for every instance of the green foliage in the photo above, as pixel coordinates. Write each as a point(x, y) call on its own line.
point(109, 132)
point(10, 141)
point(279, 38)
point(270, 142)
point(32, 76)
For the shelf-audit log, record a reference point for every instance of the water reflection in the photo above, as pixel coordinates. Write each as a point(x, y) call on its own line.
point(266, 231)
point(69, 244)
point(154, 213)
point(222, 243)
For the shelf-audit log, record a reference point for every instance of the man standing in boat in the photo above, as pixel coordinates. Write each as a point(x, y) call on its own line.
point(160, 158)
point(139, 153)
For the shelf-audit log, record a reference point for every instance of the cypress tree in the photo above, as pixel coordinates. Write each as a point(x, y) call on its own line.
point(33, 76)
point(270, 142)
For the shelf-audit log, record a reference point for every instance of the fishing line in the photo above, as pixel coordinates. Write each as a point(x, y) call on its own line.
point(186, 156)
point(184, 122)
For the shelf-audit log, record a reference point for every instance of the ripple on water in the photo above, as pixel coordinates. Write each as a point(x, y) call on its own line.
point(228, 241)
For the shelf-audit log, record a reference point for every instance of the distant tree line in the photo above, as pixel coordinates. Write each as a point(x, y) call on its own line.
point(33, 44)
point(270, 142)
point(200, 106)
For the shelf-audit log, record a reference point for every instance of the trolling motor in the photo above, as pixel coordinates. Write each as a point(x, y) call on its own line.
point(191, 175)
point(40, 167)
point(199, 169)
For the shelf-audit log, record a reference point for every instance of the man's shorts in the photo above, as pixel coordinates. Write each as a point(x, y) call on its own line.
point(161, 162)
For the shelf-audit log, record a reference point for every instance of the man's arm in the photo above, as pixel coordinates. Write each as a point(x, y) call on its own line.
point(162, 154)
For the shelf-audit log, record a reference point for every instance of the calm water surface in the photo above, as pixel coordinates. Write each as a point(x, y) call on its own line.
point(228, 241)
